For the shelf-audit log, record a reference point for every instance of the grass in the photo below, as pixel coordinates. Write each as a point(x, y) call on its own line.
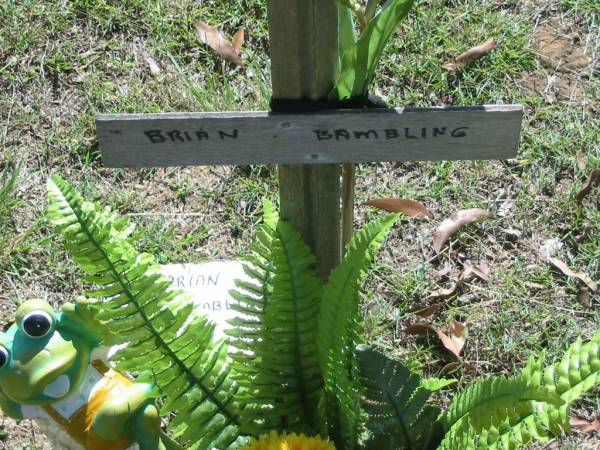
point(61, 63)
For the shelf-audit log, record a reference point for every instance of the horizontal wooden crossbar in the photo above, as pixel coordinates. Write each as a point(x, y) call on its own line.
point(340, 136)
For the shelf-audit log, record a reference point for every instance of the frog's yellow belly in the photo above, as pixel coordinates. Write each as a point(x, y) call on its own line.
point(74, 416)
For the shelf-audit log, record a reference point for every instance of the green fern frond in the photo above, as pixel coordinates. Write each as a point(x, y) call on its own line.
point(486, 406)
point(169, 345)
point(270, 214)
point(340, 330)
point(276, 345)
point(503, 428)
point(576, 373)
point(483, 397)
point(513, 426)
point(252, 297)
point(394, 401)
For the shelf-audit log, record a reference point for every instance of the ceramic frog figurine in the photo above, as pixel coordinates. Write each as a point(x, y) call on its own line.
point(52, 370)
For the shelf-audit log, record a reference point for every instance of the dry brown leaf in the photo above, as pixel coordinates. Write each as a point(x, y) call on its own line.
point(583, 425)
point(593, 180)
point(407, 207)
point(471, 269)
point(471, 55)
point(453, 223)
point(419, 329)
point(477, 52)
point(426, 311)
point(215, 39)
point(454, 339)
point(238, 40)
point(581, 276)
point(152, 66)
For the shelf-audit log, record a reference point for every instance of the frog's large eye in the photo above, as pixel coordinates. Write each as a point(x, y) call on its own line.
point(37, 324)
point(3, 356)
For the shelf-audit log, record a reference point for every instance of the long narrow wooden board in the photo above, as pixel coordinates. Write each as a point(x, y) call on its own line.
point(340, 136)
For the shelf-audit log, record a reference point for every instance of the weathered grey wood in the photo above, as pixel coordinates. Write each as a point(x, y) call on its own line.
point(348, 184)
point(303, 38)
point(182, 139)
point(304, 63)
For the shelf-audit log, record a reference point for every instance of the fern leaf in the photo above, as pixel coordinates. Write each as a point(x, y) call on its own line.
point(513, 426)
point(166, 341)
point(493, 393)
point(576, 373)
point(270, 215)
point(276, 349)
point(340, 330)
point(394, 402)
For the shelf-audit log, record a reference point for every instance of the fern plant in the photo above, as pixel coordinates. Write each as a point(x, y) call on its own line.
point(296, 359)
point(295, 340)
point(281, 376)
point(340, 330)
point(395, 405)
point(160, 334)
point(507, 413)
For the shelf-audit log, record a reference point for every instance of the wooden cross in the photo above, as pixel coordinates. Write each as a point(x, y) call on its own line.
point(309, 147)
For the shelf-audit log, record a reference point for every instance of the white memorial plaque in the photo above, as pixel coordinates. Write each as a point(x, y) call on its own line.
point(209, 284)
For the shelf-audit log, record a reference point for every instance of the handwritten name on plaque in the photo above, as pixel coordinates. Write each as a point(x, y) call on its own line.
point(183, 139)
point(208, 285)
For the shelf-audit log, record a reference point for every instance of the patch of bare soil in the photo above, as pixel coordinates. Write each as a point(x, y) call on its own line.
point(24, 431)
point(565, 60)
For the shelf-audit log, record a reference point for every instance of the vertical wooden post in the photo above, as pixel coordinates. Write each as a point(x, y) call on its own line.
point(304, 63)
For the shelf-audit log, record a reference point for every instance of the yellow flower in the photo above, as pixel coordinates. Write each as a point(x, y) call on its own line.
point(274, 441)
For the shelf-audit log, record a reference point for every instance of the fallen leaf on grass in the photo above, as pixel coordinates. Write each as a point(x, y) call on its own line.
point(477, 52)
point(215, 39)
point(238, 40)
point(470, 269)
point(426, 311)
point(453, 223)
point(583, 425)
point(407, 207)
point(152, 66)
point(593, 180)
point(454, 340)
point(419, 329)
point(471, 55)
point(581, 276)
